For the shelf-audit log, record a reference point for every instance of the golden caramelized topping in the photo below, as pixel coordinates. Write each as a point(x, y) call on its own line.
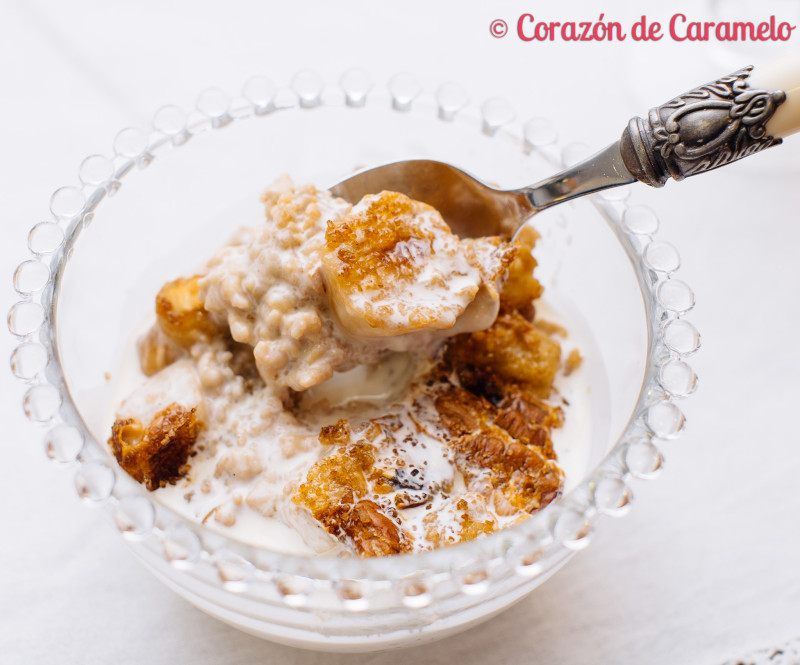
point(519, 475)
point(460, 411)
point(181, 314)
point(372, 532)
point(530, 420)
point(336, 479)
point(513, 349)
point(392, 267)
point(157, 454)
point(521, 287)
point(335, 435)
point(386, 238)
point(333, 491)
point(510, 441)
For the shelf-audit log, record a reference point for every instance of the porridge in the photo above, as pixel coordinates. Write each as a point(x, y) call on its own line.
point(351, 380)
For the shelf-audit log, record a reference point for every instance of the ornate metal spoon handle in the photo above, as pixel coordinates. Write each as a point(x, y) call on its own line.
point(710, 126)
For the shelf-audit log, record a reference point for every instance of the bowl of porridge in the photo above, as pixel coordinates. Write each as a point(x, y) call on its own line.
point(296, 410)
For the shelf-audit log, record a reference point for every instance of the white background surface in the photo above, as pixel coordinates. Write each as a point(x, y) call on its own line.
point(706, 566)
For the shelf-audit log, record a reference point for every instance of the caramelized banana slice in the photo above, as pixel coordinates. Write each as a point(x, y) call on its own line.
point(521, 287)
point(513, 349)
point(156, 427)
point(335, 491)
point(158, 453)
point(181, 314)
point(393, 267)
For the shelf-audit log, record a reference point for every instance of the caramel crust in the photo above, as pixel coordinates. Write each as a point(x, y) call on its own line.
point(461, 411)
point(157, 454)
point(365, 244)
point(521, 288)
point(180, 312)
point(335, 435)
point(333, 492)
point(530, 420)
point(513, 349)
point(372, 532)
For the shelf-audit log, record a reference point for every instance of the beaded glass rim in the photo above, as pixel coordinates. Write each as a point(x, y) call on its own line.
point(566, 524)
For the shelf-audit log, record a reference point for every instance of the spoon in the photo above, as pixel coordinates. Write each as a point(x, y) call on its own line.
point(707, 127)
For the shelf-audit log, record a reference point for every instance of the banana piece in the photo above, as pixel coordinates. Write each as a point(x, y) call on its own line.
point(393, 267)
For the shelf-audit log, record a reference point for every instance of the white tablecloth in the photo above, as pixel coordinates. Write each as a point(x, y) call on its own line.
point(704, 569)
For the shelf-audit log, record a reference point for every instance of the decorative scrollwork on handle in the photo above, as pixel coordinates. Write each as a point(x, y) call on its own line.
point(708, 127)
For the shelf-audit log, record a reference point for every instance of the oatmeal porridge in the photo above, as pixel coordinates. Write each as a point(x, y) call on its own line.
point(351, 379)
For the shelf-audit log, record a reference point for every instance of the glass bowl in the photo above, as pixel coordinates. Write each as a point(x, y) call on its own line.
point(159, 206)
